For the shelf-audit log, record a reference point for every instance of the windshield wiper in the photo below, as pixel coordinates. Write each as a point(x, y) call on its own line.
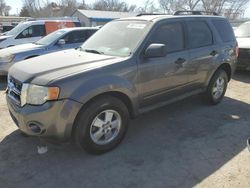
point(93, 51)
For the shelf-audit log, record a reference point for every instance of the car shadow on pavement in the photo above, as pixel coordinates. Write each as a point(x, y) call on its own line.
point(175, 146)
point(242, 76)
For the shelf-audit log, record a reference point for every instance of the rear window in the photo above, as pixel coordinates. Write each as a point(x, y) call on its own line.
point(199, 34)
point(224, 29)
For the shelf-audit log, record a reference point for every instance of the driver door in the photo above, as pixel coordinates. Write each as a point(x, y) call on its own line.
point(163, 78)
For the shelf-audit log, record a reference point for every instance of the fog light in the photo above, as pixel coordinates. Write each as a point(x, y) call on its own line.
point(35, 127)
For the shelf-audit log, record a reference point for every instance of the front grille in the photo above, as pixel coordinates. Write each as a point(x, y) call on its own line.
point(244, 53)
point(14, 90)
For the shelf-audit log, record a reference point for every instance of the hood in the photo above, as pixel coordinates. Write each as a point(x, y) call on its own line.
point(44, 69)
point(2, 37)
point(19, 48)
point(243, 42)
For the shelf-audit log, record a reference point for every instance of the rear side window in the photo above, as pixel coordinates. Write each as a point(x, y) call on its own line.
point(90, 32)
point(170, 34)
point(199, 34)
point(224, 29)
point(80, 36)
point(75, 37)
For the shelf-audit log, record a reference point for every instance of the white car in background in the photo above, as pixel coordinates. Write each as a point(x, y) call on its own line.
point(242, 34)
point(32, 31)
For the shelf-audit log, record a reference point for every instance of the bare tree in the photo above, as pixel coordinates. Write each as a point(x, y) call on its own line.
point(33, 6)
point(4, 8)
point(228, 8)
point(83, 5)
point(113, 5)
point(24, 12)
point(7, 10)
point(235, 9)
point(170, 6)
point(148, 7)
point(192, 4)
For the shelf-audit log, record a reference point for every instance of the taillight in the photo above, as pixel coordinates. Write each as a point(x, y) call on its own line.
point(237, 51)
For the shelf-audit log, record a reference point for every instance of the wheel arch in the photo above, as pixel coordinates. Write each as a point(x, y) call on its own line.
point(227, 68)
point(117, 94)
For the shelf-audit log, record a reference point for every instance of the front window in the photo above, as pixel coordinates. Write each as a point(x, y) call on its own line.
point(16, 30)
point(32, 31)
point(119, 38)
point(243, 30)
point(51, 38)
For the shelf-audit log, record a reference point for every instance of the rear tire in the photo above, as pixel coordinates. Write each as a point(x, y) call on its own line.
point(101, 125)
point(217, 87)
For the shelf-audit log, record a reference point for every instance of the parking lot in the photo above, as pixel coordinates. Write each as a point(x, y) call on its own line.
point(185, 144)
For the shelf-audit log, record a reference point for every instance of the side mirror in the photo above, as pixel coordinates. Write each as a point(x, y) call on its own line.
point(156, 50)
point(61, 42)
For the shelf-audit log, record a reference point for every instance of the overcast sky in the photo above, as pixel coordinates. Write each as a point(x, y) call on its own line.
point(17, 4)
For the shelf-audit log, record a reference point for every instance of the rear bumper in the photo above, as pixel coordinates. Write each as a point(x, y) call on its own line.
point(243, 64)
point(55, 118)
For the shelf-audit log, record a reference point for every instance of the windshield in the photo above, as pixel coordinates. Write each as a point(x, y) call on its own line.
point(51, 38)
point(119, 38)
point(16, 30)
point(243, 30)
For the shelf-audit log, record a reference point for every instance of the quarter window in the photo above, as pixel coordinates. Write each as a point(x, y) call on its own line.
point(222, 26)
point(199, 34)
point(170, 34)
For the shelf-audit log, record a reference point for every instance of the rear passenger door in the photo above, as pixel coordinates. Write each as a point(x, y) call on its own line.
point(202, 51)
point(163, 78)
point(228, 42)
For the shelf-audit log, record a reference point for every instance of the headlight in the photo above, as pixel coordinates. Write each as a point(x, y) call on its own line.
point(7, 58)
point(37, 95)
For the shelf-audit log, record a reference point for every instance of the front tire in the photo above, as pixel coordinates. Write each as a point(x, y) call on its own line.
point(101, 125)
point(217, 87)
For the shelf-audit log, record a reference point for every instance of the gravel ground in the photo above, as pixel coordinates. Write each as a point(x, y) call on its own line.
point(186, 144)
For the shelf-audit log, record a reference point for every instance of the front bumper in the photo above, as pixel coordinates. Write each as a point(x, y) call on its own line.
point(56, 118)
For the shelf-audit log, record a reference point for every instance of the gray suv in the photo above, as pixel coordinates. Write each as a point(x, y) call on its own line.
point(128, 67)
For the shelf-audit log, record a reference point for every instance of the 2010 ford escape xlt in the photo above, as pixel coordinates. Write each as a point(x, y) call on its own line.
point(128, 67)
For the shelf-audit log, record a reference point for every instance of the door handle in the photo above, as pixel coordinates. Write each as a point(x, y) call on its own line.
point(214, 53)
point(180, 61)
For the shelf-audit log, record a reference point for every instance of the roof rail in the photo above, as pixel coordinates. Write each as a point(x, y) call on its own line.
point(149, 14)
point(192, 12)
point(53, 18)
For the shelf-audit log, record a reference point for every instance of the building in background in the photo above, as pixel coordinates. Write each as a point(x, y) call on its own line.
point(90, 18)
